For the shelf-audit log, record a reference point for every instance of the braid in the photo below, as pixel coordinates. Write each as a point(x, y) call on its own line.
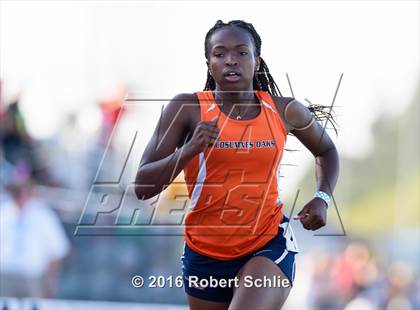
point(210, 83)
point(323, 113)
point(264, 81)
point(262, 78)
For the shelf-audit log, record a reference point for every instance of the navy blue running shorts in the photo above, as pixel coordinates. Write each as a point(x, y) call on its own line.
point(212, 279)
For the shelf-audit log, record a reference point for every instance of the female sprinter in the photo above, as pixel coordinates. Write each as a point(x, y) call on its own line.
point(229, 140)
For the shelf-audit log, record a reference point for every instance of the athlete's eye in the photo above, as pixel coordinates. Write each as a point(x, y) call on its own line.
point(219, 55)
point(244, 53)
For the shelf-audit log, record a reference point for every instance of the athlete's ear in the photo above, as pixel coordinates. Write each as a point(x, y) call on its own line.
point(257, 63)
point(208, 66)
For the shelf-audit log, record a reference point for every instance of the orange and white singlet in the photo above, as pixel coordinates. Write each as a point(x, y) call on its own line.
point(233, 185)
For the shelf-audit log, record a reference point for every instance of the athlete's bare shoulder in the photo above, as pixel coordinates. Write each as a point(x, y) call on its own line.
point(187, 97)
point(184, 100)
point(281, 103)
point(173, 127)
point(294, 113)
point(188, 105)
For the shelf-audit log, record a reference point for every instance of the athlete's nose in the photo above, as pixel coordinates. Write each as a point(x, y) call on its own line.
point(231, 61)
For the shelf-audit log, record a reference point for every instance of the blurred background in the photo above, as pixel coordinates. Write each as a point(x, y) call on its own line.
point(82, 88)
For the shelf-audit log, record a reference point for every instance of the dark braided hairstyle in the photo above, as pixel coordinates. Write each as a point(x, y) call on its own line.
point(262, 78)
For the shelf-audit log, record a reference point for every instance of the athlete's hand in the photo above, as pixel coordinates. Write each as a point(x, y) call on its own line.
point(205, 134)
point(313, 215)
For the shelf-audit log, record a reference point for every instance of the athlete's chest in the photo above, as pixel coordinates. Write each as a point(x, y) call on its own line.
point(245, 143)
point(194, 114)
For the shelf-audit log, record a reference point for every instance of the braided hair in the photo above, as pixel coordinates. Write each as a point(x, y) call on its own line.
point(262, 77)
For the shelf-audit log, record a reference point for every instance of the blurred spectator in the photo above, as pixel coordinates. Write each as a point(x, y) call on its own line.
point(353, 279)
point(17, 145)
point(15, 139)
point(112, 110)
point(32, 244)
point(1, 99)
point(321, 279)
point(400, 281)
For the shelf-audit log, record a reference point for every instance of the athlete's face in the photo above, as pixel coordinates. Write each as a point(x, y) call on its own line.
point(231, 59)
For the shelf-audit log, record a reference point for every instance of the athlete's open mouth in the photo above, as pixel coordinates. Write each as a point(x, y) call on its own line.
point(232, 76)
point(232, 73)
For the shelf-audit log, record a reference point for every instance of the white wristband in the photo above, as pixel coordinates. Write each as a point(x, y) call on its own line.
point(323, 196)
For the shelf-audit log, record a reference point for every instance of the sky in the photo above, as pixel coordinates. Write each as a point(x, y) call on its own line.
point(64, 56)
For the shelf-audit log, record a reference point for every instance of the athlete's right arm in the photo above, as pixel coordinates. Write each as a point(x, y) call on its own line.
point(167, 152)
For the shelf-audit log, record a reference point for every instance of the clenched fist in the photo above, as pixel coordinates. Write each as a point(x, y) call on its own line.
point(313, 215)
point(205, 134)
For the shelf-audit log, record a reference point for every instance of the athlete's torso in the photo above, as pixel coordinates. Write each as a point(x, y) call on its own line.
point(233, 185)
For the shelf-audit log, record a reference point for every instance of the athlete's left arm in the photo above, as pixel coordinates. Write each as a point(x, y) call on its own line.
point(313, 136)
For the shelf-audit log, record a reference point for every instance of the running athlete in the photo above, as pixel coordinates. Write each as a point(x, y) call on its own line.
point(229, 140)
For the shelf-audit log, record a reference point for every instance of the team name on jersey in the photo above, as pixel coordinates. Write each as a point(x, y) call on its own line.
point(244, 144)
